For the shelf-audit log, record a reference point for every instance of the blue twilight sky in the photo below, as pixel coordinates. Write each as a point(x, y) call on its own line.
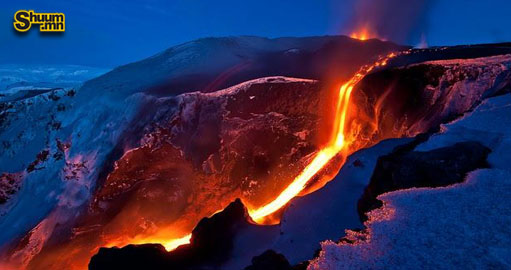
point(108, 33)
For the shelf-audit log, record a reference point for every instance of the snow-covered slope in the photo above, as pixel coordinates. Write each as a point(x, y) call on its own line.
point(463, 226)
point(23, 81)
point(210, 64)
point(59, 142)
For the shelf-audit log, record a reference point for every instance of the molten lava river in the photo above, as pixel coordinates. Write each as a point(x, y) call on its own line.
point(339, 143)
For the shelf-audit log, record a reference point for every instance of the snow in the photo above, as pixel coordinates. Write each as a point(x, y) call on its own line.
point(461, 226)
point(481, 61)
point(465, 226)
point(463, 84)
point(233, 90)
point(15, 78)
point(92, 124)
point(326, 213)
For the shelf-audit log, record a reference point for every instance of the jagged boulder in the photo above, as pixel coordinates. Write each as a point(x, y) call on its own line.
point(210, 245)
point(269, 260)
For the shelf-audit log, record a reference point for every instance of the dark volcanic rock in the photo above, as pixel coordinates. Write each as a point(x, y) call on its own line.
point(147, 256)
point(209, 246)
point(404, 169)
point(211, 239)
point(269, 260)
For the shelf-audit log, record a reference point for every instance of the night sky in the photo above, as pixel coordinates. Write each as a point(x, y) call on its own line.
point(108, 33)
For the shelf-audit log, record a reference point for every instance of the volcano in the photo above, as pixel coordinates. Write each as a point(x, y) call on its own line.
point(246, 152)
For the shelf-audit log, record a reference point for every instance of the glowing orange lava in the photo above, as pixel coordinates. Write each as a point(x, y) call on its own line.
point(333, 148)
point(168, 244)
point(337, 143)
point(364, 33)
point(320, 160)
point(174, 243)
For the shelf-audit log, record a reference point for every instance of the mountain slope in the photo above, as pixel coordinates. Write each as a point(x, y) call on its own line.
point(396, 102)
point(211, 64)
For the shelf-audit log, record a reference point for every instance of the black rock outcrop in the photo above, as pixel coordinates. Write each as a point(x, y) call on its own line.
point(404, 168)
point(209, 246)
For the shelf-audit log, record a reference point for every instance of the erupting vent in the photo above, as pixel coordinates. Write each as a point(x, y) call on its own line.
point(364, 33)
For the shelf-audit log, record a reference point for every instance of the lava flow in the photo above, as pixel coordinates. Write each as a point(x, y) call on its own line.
point(174, 243)
point(334, 147)
point(339, 140)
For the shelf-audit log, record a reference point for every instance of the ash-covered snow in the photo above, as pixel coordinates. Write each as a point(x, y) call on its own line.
point(197, 61)
point(463, 226)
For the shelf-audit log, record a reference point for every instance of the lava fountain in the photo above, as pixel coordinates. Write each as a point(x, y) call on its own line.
point(365, 32)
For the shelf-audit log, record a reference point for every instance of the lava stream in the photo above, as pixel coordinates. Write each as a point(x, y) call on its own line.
point(337, 143)
point(334, 147)
point(319, 161)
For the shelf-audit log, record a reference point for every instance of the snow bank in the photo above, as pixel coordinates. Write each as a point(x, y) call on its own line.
point(461, 226)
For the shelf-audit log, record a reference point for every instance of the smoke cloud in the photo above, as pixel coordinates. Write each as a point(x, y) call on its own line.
point(395, 20)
